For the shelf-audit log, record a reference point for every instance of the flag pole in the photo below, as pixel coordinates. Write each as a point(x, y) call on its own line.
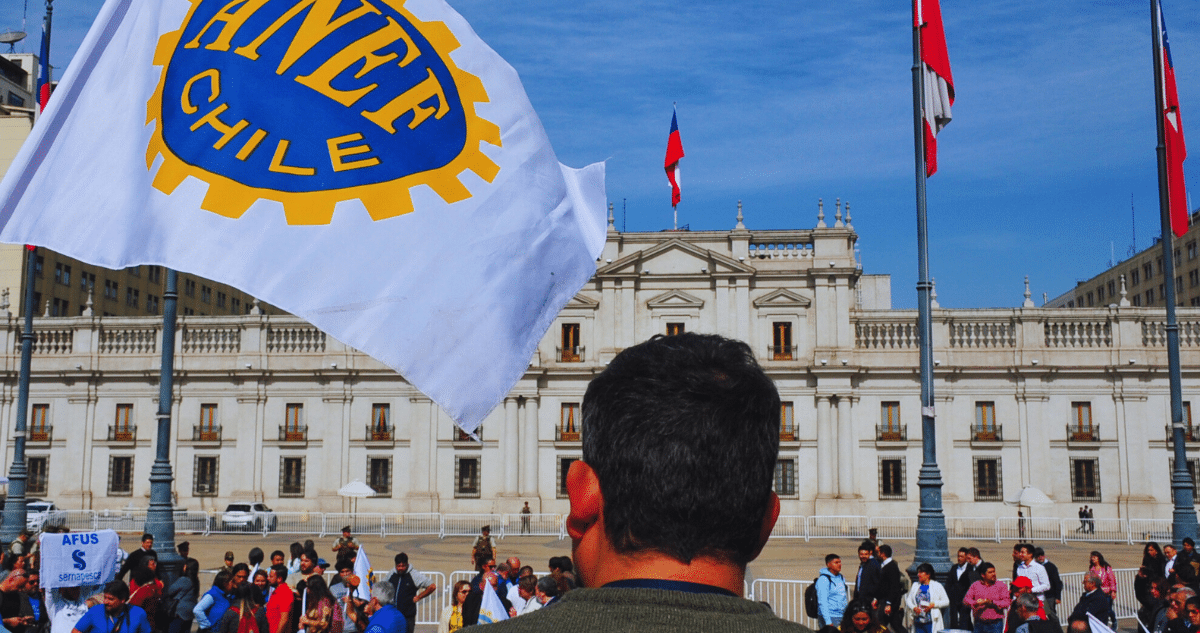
point(931, 522)
point(160, 518)
point(1183, 519)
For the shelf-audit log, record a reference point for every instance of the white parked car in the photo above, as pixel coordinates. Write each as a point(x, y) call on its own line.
point(247, 516)
point(40, 513)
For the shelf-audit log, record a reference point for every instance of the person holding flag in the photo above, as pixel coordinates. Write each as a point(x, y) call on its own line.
point(384, 616)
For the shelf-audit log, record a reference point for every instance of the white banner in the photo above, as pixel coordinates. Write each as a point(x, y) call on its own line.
point(79, 558)
point(362, 569)
point(370, 166)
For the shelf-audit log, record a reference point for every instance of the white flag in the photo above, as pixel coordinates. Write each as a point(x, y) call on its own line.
point(368, 165)
point(362, 569)
point(490, 608)
point(1097, 626)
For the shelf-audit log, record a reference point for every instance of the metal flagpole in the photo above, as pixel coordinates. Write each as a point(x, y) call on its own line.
point(160, 519)
point(931, 522)
point(14, 505)
point(1183, 519)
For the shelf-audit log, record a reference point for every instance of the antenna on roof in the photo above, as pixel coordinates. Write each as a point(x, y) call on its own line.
point(11, 38)
point(1133, 220)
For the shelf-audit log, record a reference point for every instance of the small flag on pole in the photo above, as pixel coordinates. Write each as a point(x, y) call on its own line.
point(372, 167)
point(43, 85)
point(674, 153)
point(1173, 136)
point(939, 84)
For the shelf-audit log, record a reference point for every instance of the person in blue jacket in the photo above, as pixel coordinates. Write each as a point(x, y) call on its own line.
point(114, 616)
point(214, 603)
point(831, 592)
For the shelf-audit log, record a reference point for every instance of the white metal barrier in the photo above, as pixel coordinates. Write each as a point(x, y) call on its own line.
point(785, 597)
point(1095, 530)
point(360, 523)
point(791, 526)
point(518, 524)
point(1125, 606)
point(429, 610)
point(894, 527)
point(412, 524)
point(1028, 529)
point(837, 527)
point(470, 524)
point(510, 525)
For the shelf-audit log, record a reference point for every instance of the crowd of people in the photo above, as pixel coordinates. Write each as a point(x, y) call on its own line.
point(969, 596)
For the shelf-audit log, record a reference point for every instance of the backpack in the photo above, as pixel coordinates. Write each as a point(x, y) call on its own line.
point(812, 604)
point(247, 623)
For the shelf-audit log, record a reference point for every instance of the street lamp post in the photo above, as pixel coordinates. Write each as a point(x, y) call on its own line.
point(160, 519)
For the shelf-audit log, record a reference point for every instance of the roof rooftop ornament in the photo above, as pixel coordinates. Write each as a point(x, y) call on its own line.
point(4, 304)
point(837, 216)
point(848, 225)
point(1028, 295)
point(933, 293)
point(87, 310)
point(820, 213)
point(611, 225)
point(1124, 295)
point(739, 217)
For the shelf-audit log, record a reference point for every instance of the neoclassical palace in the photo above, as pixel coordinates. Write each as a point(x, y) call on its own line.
point(1073, 402)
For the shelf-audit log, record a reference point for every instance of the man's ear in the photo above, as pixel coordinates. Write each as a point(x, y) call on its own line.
point(587, 503)
point(768, 524)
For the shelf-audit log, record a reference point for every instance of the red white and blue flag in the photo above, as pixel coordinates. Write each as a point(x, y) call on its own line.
point(43, 86)
point(1173, 137)
point(674, 153)
point(939, 84)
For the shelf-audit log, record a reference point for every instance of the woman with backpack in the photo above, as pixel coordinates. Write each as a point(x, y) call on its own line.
point(182, 596)
point(215, 602)
point(239, 618)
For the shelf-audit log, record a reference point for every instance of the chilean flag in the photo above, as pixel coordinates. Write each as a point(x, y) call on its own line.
point(43, 87)
point(674, 153)
point(939, 84)
point(1173, 133)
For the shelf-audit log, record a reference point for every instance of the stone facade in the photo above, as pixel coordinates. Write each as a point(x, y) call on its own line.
point(266, 407)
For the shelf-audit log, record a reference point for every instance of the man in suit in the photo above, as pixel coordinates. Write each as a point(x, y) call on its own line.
point(1092, 601)
point(889, 598)
point(135, 558)
point(866, 582)
point(958, 580)
point(1054, 596)
point(1178, 570)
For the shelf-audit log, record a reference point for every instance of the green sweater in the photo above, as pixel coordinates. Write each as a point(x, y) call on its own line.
point(603, 610)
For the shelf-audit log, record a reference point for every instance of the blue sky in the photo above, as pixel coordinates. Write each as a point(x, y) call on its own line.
point(781, 103)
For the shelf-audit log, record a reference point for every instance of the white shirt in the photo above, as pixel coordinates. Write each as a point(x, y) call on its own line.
point(531, 605)
point(1037, 575)
point(514, 597)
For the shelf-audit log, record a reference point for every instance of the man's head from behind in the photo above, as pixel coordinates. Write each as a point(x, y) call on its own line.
point(679, 453)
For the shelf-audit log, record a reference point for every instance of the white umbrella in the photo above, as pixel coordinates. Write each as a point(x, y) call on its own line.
point(356, 490)
point(1031, 498)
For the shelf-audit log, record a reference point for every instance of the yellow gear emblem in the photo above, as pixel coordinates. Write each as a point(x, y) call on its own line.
point(313, 102)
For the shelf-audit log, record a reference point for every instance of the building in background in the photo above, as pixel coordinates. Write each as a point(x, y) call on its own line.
point(1074, 402)
point(1143, 277)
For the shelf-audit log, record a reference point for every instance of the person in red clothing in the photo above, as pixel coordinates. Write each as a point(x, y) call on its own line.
point(279, 606)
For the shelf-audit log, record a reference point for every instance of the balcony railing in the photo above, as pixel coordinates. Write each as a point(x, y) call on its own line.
point(787, 435)
point(566, 436)
point(570, 354)
point(41, 433)
point(1076, 433)
point(293, 433)
point(891, 433)
point(782, 352)
point(206, 433)
point(122, 433)
point(380, 433)
point(987, 434)
point(1189, 434)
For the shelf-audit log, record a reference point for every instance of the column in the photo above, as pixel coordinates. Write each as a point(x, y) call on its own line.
point(722, 307)
point(513, 456)
point(825, 449)
point(529, 462)
point(743, 310)
point(845, 455)
point(421, 428)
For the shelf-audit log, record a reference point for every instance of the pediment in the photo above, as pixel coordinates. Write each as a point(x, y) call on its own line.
point(674, 257)
point(676, 299)
point(782, 298)
point(582, 302)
